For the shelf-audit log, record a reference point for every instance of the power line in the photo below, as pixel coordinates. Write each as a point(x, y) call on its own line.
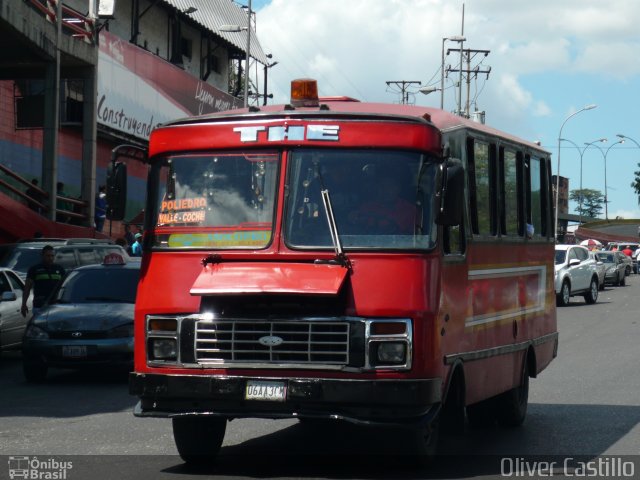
point(403, 85)
point(470, 55)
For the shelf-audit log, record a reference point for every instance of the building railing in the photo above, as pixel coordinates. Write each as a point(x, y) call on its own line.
point(73, 22)
point(36, 204)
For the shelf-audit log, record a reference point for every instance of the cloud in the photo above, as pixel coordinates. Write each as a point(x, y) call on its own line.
point(352, 47)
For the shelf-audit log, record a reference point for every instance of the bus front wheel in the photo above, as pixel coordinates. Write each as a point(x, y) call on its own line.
point(198, 438)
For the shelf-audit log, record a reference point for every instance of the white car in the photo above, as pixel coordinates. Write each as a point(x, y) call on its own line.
point(12, 323)
point(575, 274)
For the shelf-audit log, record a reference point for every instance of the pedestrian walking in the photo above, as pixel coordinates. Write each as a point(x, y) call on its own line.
point(101, 208)
point(43, 278)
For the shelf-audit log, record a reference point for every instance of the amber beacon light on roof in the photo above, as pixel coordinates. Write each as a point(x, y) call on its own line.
point(304, 93)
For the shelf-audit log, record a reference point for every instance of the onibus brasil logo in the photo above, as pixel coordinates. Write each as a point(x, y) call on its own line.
point(34, 468)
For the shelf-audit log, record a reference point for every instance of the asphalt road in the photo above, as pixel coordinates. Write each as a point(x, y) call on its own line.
point(585, 405)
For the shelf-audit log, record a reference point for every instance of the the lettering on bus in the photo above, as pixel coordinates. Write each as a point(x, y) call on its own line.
point(290, 132)
point(184, 204)
point(197, 216)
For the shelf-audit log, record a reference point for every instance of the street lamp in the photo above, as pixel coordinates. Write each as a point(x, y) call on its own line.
point(455, 38)
point(236, 29)
point(604, 154)
point(581, 152)
point(624, 137)
point(428, 90)
point(586, 107)
point(266, 70)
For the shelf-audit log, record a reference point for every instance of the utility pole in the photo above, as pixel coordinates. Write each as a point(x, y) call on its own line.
point(404, 86)
point(470, 54)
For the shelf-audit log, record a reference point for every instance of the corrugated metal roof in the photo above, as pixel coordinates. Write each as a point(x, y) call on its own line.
point(212, 14)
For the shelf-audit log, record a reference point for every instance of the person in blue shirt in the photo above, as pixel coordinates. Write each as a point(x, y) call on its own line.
point(136, 248)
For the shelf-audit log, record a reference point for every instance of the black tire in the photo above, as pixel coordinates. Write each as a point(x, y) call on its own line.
point(627, 271)
point(592, 295)
point(427, 442)
point(511, 406)
point(34, 369)
point(563, 298)
point(198, 438)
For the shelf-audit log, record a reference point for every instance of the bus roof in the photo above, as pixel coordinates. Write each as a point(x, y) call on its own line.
point(346, 107)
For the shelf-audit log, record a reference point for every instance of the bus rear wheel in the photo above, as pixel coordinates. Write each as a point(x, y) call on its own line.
point(512, 405)
point(198, 438)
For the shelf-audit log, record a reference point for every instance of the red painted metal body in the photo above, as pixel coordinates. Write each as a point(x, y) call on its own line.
point(497, 298)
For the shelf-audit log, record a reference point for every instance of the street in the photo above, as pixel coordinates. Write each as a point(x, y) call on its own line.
point(586, 404)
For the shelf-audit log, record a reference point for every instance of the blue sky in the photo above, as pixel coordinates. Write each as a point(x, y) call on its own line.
point(548, 59)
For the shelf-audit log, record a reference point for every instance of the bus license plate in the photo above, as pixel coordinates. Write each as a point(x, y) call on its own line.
point(270, 391)
point(75, 351)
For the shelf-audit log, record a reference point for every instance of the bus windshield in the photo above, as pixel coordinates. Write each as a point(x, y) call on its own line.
point(380, 199)
point(214, 200)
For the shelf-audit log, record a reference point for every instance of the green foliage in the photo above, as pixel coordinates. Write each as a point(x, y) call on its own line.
point(636, 183)
point(589, 202)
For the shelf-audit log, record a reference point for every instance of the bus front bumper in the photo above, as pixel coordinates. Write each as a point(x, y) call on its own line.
point(390, 402)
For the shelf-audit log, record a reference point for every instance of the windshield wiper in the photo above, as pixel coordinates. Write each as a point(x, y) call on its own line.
point(331, 219)
point(333, 229)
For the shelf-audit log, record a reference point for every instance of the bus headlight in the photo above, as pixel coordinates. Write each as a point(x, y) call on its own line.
point(390, 353)
point(389, 343)
point(164, 349)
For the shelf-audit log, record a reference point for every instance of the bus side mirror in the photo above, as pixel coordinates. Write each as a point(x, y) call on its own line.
point(451, 196)
point(116, 190)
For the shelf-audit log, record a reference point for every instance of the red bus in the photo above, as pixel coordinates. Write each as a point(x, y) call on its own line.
point(332, 259)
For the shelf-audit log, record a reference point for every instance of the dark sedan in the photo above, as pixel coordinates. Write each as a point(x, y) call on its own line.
point(88, 321)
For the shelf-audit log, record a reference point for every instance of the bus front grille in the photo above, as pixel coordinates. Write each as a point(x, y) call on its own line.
point(307, 343)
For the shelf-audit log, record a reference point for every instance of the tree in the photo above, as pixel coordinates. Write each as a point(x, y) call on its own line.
point(591, 201)
point(636, 183)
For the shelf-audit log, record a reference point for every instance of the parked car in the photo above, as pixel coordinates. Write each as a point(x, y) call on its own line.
point(12, 323)
point(634, 247)
point(70, 253)
point(601, 268)
point(614, 266)
point(87, 321)
point(626, 260)
point(575, 274)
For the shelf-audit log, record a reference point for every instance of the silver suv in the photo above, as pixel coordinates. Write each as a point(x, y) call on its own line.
point(70, 253)
point(575, 274)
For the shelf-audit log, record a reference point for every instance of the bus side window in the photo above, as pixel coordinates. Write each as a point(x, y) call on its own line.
point(453, 240)
point(511, 188)
point(534, 206)
point(481, 187)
